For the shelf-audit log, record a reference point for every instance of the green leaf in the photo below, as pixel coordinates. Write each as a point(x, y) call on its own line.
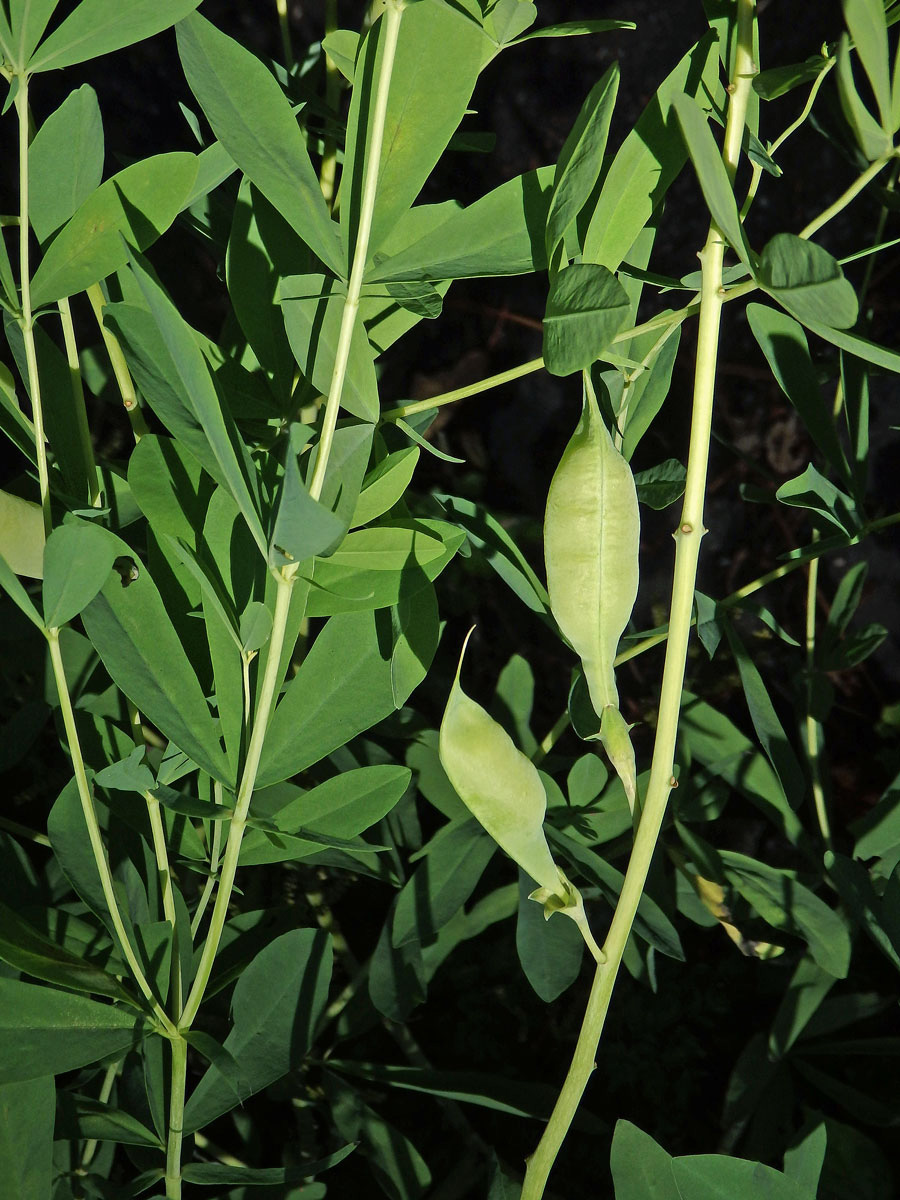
point(342, 47)
point(78, 558)
point(313, 308)
point(131, 209)
point(28, 950)
point(128, 774)
point(550, 952)
point(649, 391)
point(765, 720)
point(870, 137)
point(808, 987)
point(779, 80)
point(504, 20)
point(384, 485)
point(813, 491)
point(255, 626)
point(641, 1169)
point(416, 629)
point(168, 483)
point(187, 369)
point(303, 527)
point(660, 486)
point(81, 1117)
point(586, 308)
point(784, 344)
point(803, 1162)
point(500, 234)
point(65, 161)
point(574, 29)
point(868, 351)
point(581, 158)
point(45, 1032)
point(711, 173)
point(875, 914)
point(222, 1175)
point(342, 688)
point(276, 1005)
point(786, 904)
point(807, 281)
point(868, 28)
point(21, 544)
point(132, 633)
point(434, 42)
point(98, 27)
point(393, 1160)
point(252, 118)
point(450, 868)
point(717, 1177)
point(27, 1113)
point(649, 159)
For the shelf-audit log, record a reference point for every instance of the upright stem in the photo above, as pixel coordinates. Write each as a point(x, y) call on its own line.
point(118, 364)
point(84, 432)
point(391, 17)
point(26, 320)
point(813, 746)
point(332, 93)
point(687, 550)
point(176, 1118)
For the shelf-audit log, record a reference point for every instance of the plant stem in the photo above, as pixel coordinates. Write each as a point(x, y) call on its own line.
point(118, 364)
point(813, 728)
point(26, 321)
point(845, 197)
point(176, 1118)
point(90, 1146)
point(392, 16)
point(84, 431)
point(402, 411)
point(93, 829)
point(332, 94)
point(238, 822)
point(213, 870)
point(285, 28)
point(687, 550)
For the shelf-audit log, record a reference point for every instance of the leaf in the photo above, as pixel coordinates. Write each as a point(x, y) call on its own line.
point(574, 29)
point(46, 1032)
point(717, 1177)
point(581, 158)
point(641, 1169)
point(649, 159)
point(342, 688)
point(868, 28)
point(711, 173)
point(168, 484)
point(500, 234)
point(766, 723)
point(549, 953)
point(78, 558)
point(81, 1117)
point(786, 904)
point(803, 1161)
point(448, 871)
point(303, 527)
point(65, 161)
point(416, 628)
point(648, 393)
point(137, 642)
point(21, 539)
point(255, 627)
point(24, 947)
point(813, 491)
point(276, 1005)
point(780, 80)
point(223, 1175)
point(27, 1112)
point(784, 344)
point(384, 485)
point(313, 327)
point(868, 351)
point(131, 209)
point(394, 1162)
point(869, 135)
point(433, 42)
point(97, 27)
point(874, 914)
point(807, 281)
point(252, 118)
point(586, 308)
point(660, 486)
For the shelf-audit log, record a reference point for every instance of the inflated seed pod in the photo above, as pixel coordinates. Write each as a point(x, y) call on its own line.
point(591, 533)
point(498, 784)
point(591, 538)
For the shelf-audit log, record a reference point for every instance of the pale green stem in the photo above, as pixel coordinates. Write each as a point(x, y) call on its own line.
point(158, 834)
point(285, 28)
point(687, 550)
point(847, 196)
point(176, 1118)
point(22, 831)
point(402, 411)
point(213, 868)
point(392, 17)
point(93, 828)
point(106, 1087)
point(26, 320)
point(783, 137)
point(631, 378)
point(812, 725)
point(84, 432)
point(264, 708)
point(118, 364)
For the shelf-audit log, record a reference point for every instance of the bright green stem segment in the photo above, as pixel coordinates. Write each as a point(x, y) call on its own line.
point(176, 1118)
point(687, 552)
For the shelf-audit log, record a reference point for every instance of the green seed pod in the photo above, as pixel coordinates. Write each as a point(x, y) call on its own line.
point(498, 784)
point(617, 744)
point(591, 536)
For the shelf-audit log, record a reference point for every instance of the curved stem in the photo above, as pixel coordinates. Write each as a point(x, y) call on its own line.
point(84, 432)
point(862, 181)
point(349, 317)
point(118, 364)
point(687, 551)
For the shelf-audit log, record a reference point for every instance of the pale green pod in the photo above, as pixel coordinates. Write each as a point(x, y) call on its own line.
point(616, 742)
point(499, 785)
point(591, 536)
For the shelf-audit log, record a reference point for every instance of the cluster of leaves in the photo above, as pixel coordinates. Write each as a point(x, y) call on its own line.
point(225, 631)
